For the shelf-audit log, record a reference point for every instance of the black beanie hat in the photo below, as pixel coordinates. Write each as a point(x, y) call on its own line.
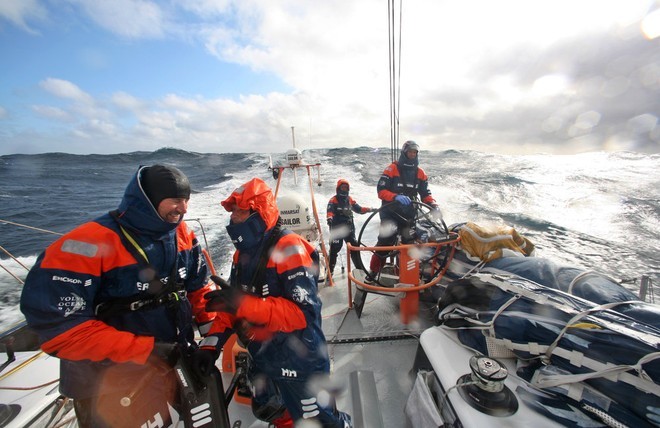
point(161, 182)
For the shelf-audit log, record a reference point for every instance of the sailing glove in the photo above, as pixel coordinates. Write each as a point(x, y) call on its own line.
point(226, 299)
point(402, 199)
point(220, 282)
point(168, 352)
point(329, 221)
point(243, 330)
point(203, 361)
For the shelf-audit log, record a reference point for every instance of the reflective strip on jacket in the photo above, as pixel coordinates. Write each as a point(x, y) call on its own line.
point(341, 210)
point(91, 265)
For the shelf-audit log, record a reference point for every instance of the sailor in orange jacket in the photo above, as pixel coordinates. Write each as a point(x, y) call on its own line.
point(271, 301)
point(112, 298)
point(340, 221)
point(402, 182)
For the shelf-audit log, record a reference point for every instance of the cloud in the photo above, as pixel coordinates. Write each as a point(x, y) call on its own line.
point(65, 89)
point(86, 117)
point(128, 102)
point(95, 128)
point(205, 9)
point(474, 74)
point(476, 80)
point(55, 113)
point(19, 12)
point(127, 18)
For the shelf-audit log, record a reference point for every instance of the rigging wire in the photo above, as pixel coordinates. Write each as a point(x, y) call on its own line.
point(395, 74)
point(12, 257)
point(29, 227)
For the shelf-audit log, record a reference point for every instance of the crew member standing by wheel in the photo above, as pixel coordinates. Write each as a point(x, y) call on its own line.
point(340, 221)
point(401, 183)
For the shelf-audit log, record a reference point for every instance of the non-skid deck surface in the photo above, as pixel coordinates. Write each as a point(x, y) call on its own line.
point(377, 342)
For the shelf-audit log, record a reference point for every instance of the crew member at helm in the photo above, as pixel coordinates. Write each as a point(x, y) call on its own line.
point(272, 303)
point(402, 183)
point(340, 221)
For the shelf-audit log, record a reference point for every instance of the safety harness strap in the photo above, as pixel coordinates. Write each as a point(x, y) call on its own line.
point(258, 278)
point(171, 294)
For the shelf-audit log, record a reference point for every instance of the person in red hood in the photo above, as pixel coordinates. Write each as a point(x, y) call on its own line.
point(340, 221)
point(271, 302)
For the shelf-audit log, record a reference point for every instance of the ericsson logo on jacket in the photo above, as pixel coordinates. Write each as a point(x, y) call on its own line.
point(144, 285)
point(68, 280)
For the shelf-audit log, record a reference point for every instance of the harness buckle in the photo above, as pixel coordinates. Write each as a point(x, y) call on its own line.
point(134, 306)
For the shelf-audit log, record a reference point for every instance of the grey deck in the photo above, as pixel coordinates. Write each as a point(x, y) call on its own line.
point(362, 344)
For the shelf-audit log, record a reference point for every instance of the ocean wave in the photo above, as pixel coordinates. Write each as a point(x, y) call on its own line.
point(597, 210)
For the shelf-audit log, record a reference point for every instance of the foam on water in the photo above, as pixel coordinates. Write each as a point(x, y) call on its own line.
point(598, 211)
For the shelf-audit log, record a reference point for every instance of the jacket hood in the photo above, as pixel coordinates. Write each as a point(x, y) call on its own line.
point(255, 195)
point(342, 181)
point(403, 159)
point(404, 162)
point(138, 213)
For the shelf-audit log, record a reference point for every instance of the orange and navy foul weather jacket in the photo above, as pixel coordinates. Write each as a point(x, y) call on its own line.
point(91, 266)
point(341, 207)
point(401, 179)
point(281, 308)
point(391, 183)
point(283, 311)
point(340, 210)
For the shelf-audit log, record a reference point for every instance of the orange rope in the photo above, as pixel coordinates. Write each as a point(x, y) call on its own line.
point(28, 388)
point(318, 226)
point(209, 261)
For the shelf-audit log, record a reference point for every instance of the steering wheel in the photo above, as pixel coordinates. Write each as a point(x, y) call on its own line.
point(426, 226)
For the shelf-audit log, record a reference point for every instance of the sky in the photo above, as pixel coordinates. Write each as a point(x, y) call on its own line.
point(510, 77)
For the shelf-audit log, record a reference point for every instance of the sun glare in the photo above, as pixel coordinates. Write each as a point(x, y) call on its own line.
point(549, 85)
point(651, 25)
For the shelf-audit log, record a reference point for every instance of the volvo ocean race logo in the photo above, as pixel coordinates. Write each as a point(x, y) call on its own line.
point(71, 304)
point(300, 295)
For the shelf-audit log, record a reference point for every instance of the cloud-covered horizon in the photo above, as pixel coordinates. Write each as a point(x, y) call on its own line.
point(476, 75)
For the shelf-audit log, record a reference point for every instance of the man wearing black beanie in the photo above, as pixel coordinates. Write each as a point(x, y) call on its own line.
point(116, 299)
point(161, 183)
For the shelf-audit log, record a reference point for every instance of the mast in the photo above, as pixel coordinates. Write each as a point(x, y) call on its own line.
point(293, 139)
point(395, 74)
point(294, 161)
